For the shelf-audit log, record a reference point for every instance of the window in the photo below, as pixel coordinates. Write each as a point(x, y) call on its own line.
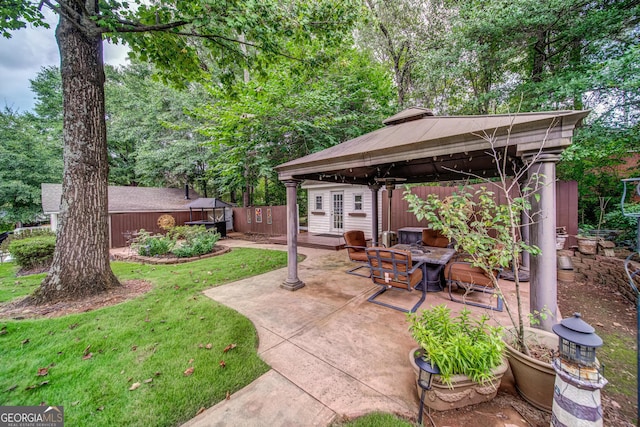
point(318, 203)
point(357, 202)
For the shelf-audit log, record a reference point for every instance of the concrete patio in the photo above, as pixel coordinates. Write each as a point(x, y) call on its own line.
point(333, 354)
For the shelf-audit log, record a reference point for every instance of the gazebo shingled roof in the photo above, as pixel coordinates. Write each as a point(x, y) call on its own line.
point(425, 147)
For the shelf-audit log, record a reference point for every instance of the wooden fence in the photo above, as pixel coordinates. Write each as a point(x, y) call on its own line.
point(566, 206)
point(270, 220)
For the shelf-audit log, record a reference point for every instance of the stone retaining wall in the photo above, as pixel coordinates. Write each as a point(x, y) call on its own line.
point(602, 270)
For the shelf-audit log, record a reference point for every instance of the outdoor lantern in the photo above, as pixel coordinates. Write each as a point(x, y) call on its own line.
point(576, 397)
point(427, 371)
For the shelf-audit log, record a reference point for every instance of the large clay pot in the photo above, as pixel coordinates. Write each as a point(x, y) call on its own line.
point(464, 391)
point(534, 379)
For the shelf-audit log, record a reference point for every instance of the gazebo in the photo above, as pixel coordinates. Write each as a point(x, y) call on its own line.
point(417, 146)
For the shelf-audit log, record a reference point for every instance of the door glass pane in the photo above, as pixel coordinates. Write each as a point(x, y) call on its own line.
point(337, 211)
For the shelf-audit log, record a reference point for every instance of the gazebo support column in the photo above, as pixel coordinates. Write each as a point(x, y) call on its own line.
point(292, 282)
point(374, 214)
point(544, 275)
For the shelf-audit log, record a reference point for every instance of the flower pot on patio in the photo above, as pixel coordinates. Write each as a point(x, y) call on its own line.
point(462, 392)
point(534, 378)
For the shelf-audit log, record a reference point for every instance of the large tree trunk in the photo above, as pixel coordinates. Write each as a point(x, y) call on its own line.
point(81, 261)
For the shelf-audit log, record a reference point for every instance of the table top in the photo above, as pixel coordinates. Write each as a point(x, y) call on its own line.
point(428, 254)
point(412, 229)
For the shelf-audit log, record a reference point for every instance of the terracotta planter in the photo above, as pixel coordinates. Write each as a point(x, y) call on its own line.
point(587, 245)
point(464, 392)
point(534, 379)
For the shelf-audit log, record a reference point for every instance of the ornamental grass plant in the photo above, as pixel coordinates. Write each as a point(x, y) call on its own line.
point(458, 345)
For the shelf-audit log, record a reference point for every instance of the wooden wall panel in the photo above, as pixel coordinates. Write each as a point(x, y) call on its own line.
point(278, 220)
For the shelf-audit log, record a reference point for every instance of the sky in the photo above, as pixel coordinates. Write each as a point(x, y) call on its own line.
point(25, 53)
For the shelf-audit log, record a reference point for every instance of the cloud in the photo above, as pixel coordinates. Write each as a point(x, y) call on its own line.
point(26, 52)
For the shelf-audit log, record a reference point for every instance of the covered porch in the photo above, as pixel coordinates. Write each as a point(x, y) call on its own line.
point(417, 147)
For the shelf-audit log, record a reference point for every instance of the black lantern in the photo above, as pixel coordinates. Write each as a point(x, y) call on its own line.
point(578, 343)
point(427, 371)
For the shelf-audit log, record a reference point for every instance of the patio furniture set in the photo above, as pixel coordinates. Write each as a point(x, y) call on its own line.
point(429, 264)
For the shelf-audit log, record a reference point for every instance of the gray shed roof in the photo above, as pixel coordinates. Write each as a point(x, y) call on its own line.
point(421, 147)
point(127, 199)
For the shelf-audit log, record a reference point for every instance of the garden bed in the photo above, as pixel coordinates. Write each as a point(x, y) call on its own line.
point(167, 259)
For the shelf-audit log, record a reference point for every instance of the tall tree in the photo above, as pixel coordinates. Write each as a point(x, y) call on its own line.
point(289, 113)
point(156, 31)
point(28, 157)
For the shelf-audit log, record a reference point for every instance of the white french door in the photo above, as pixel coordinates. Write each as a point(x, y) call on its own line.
point(337, 211)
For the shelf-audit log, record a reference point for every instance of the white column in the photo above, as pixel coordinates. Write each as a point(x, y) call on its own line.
point(292, 282)
point(544, 274)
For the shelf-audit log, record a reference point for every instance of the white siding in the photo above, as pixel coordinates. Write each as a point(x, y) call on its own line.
point(320, 224)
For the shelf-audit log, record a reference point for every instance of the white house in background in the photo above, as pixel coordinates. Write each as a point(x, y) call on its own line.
point(335, 208)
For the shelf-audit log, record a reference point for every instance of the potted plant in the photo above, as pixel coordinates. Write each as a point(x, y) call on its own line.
point(468, 352)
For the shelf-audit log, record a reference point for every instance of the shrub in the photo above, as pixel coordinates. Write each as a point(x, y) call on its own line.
point(25, 234)
point(148, 244)
point(33, 252)
point(198, 243)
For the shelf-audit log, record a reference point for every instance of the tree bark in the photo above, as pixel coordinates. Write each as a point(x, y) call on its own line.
point(81, 261)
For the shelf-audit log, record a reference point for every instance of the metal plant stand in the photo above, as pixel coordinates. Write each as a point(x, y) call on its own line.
point(632, 268)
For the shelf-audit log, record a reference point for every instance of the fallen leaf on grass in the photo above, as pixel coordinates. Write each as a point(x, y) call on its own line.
point(43, 383)
point(86, 350)
point(190, 362)
point(147, 381)
point(208, 346)
point(134, 347)
point(75, 403)
point(189, 371)
point(134, 386)
point(25, 341)
point(228, 395)
point(201, 410)
point(157, 374)
point(42, 372)
point(87, 356)
point(100, 408)
point(229, 347)
point(222, 363)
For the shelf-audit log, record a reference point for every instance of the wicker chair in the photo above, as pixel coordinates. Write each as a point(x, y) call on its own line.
point(471, 279)
point(393, 269)
point(356, 245)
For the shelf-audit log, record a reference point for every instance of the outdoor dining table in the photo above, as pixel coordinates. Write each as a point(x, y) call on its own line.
point(434, 259)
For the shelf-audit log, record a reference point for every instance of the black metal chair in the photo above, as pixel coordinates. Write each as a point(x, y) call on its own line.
point(394, 269)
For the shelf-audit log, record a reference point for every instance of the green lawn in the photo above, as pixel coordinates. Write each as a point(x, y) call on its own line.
point(151, 340)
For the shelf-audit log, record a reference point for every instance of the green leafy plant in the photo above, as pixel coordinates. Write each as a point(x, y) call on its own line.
point(33, 252)
point(458, 344)
point(487, 232)
point(198, 242)
point(148, 244)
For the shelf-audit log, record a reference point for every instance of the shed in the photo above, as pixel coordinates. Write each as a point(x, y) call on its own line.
point(131, 209)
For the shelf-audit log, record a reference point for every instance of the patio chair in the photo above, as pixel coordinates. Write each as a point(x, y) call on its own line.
point(356, 245)
point(471, 279)
point(393, 269)
point(434, 238)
